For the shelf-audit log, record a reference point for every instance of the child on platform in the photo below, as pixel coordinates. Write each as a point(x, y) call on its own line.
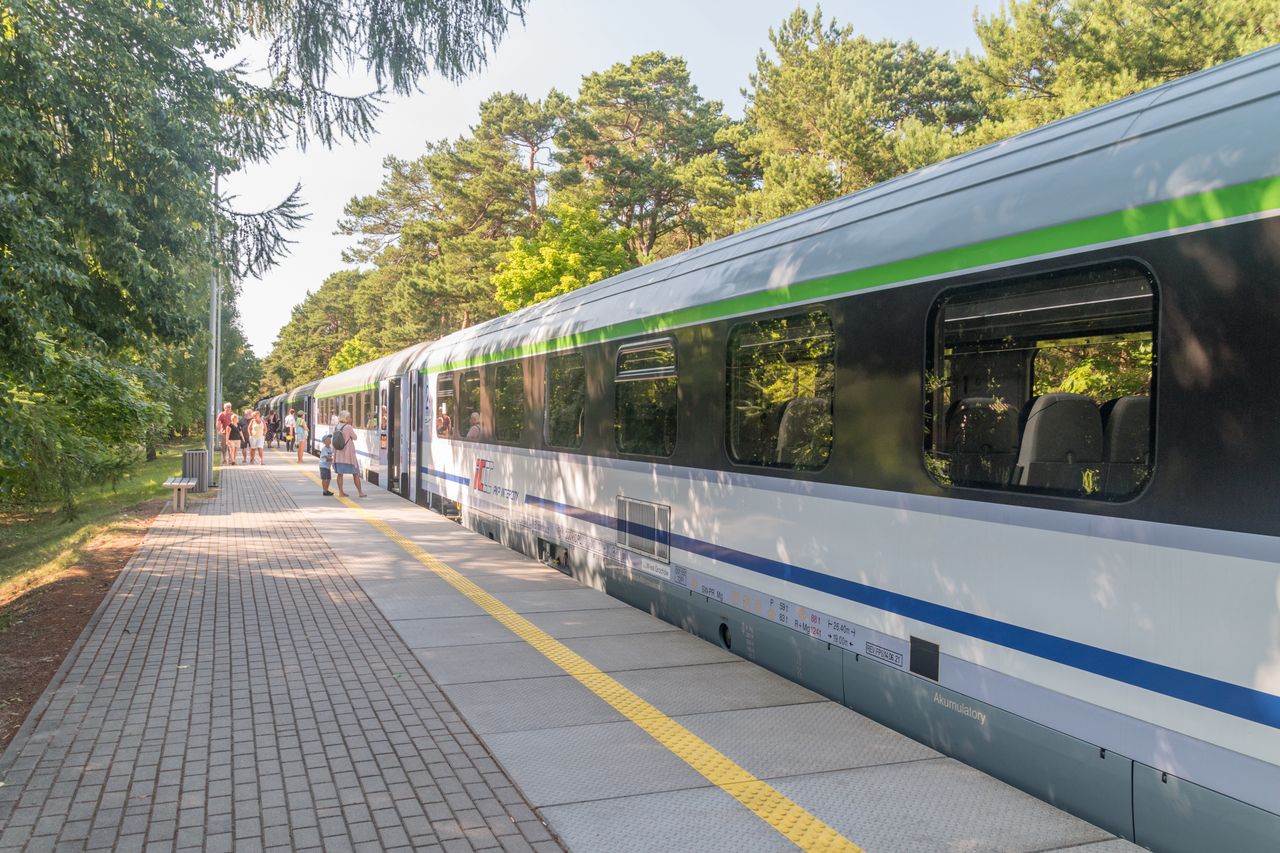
point(326, 464)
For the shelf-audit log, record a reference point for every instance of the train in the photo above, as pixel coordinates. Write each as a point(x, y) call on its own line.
point(986, 452)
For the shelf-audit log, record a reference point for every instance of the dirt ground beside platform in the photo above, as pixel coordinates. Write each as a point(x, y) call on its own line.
point(44, 611)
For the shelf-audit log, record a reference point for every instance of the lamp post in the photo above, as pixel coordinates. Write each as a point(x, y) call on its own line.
point(215, 324)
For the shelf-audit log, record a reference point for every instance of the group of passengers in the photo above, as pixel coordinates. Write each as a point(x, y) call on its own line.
point(245, 437)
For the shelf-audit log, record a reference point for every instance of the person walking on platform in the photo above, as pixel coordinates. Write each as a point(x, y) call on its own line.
point(257, 437)
point(344, 453)
point(224, 421)
point(290, 430)
point(245, 458)
point(273, 428)
point(235, 435)
point(300, 432)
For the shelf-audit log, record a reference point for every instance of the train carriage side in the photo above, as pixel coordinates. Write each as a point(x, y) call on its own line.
point(301, 401)
point(378, 395)
point(983, 452)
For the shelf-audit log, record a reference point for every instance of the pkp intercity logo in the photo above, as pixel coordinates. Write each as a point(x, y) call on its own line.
point(477, 481)
point(484, 470)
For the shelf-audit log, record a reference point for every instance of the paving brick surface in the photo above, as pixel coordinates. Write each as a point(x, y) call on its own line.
point(239, 691)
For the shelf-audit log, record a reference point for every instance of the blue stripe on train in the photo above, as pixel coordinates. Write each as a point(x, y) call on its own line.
point(444, 475)
point(1233, 699)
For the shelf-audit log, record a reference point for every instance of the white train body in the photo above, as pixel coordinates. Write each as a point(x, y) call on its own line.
point(1113, 646)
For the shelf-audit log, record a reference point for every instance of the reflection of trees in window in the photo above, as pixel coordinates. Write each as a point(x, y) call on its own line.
point(469, 406)
point(445, 411)
point(566, 399)
point(781, 374)
point(1101, 368)
point(508, 401)
point(645, 406)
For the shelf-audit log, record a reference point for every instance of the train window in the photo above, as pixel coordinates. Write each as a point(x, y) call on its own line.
point(780, 378)
point(1044, 384)
point(445, 409)
point(508, 401)
point(566, 399)
point(645, 403)
point(370, 406)
point(470, 421)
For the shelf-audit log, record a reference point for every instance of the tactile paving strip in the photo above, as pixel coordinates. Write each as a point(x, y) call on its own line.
point(790, 819)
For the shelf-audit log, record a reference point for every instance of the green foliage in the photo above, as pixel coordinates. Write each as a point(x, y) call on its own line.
point(644, 146)
point(439, 224)
point(320, 325)
point(832, 112)
point(90, 420)
point(1046, 59)
point(115, 118)
point(1100, 369)
point(572, 248)
point(352, 353)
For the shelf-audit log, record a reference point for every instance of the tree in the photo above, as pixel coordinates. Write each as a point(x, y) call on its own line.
point(573, 248)
point(439, 224)
point(527, 128)
point(352, 353)
point(317, 329)
point(833, 112)
point(114, 119)
point(1046, 59)
point(644, 147)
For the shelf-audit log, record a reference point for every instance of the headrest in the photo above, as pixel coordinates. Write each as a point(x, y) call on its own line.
point(1061, 427)
point(1127, 436)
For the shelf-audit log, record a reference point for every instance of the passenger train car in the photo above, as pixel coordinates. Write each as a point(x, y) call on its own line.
point(376, 394)
point(986, 452)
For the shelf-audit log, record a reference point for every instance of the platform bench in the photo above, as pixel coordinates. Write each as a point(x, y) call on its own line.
point(180, 485)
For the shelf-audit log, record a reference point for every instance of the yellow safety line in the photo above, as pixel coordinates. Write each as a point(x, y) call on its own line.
point(769, 804)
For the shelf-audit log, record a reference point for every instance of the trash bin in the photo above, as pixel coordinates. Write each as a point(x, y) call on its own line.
point(195, 463)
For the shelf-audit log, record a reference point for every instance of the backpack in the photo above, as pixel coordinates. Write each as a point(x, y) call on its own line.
point(340, 437)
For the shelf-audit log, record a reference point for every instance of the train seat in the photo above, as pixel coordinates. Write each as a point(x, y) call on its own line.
point(1126, 443)
point(804, 434)
point(1061, 444)
point(982, 440)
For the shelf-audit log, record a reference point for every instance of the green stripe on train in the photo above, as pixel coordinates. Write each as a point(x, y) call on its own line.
point(1149, 220)
point(353, 389)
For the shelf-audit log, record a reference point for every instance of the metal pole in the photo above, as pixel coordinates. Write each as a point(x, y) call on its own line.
point(217, 357)
point(210, 414)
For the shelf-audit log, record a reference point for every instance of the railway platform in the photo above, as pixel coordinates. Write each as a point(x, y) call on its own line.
point(276, 669)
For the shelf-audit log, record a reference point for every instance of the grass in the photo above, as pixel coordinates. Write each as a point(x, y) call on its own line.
point(37, 543)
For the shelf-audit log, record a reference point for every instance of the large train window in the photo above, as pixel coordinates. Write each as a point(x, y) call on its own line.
point(1044, 384)
point(780, 377)
point(470, 421)
point(566, 399)
point(645, 403)
point(445, 407)
point(508, 401)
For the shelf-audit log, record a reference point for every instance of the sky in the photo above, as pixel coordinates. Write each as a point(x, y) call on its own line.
point(558, 43)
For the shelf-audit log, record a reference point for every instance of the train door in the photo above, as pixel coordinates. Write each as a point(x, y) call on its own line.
point(390, 428)
point(308, 407)
point(413, 447)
